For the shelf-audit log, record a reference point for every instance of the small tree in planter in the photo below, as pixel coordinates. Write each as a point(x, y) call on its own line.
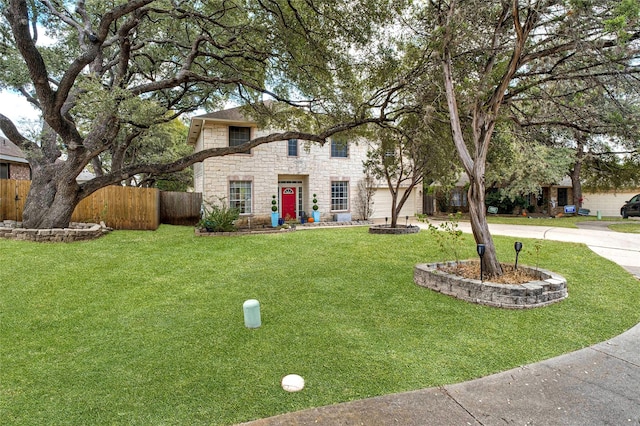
point(316, 212)
point(274, 211)
point(404, 155)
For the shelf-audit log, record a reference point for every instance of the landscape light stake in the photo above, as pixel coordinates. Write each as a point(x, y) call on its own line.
point(517, 246)
point(481, 249)
point(406, 223)
point(385, 220)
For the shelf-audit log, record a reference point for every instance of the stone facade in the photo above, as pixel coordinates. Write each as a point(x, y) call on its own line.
point(270, 168)
point(19, 171)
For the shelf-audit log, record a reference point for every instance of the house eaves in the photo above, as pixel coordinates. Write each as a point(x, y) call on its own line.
point(10, 152)
point(228, 117)
point(12, 159)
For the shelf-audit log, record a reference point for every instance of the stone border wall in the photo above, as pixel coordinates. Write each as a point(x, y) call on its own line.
point(550, 288)
point(257, 231)
point(12, 230)
point(269, 230)
point(398, 230)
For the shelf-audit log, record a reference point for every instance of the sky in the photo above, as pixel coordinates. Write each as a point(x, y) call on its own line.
point(18, 110)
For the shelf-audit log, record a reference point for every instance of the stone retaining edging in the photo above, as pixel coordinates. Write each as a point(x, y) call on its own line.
point(551, 288)
point(257, 231)
point(269, 230)
point(398, 230)
point(12, 230)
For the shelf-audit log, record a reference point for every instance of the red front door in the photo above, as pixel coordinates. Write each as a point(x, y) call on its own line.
point(288, 200)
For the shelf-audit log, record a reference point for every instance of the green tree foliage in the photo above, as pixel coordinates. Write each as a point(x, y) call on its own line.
point(519, 166)
point(405, 155)
point(117, 70)
point(486, 56)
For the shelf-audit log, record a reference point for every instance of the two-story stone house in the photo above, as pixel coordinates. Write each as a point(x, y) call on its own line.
point(291, 170)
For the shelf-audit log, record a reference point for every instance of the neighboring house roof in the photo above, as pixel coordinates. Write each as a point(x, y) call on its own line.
point(85, 176)
point(10, 152)
point(230, 116)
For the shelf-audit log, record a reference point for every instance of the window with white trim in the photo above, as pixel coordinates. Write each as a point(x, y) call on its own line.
point(339, 148)
point(339, 195)
point(238, 136)
point(240, 196)
point(292, 147)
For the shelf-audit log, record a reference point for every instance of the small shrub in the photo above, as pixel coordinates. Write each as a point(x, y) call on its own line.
point(537, 248)
point(219, 217)
point(504, 204)
point(446, 234)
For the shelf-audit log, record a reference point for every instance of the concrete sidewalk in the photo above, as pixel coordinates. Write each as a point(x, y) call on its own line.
point(599, 385)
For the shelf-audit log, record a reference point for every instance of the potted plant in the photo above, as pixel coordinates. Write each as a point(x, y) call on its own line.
point(315, 213)
point(274, 211)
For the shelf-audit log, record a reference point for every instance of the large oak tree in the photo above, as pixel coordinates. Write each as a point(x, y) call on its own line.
point(117, 69)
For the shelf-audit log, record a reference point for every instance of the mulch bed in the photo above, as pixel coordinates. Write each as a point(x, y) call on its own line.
point(471, 270)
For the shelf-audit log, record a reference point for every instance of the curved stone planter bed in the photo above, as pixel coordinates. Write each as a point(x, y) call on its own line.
point(398, 230)
point(550, 288)
point(12, 230)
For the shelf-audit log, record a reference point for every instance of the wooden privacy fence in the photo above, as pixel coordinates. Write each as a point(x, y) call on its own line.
point(13, 194)
point(120, 207)
point(180, 208)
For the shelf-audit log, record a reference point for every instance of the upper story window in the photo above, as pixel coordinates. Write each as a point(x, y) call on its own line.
point(292, 148)
point(239, 135)
point(339, 148)
point(4, 170)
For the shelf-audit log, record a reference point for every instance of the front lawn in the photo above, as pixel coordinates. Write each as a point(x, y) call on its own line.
point(631, 228)
point(143, 328)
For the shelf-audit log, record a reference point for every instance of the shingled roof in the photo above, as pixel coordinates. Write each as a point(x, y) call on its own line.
point(232, 116)
point(10, 152)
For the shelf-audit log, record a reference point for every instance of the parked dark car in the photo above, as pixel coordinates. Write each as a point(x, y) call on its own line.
point(631, 207)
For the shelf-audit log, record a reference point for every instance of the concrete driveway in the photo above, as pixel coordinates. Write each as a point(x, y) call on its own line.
point(621, 248)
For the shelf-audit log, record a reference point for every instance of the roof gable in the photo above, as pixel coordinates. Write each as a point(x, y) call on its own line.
point(238, 116)
point(232, 114)
point(10, 151)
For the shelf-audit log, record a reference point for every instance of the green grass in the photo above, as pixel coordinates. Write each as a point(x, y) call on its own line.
point(632, 228)
point(143, 328)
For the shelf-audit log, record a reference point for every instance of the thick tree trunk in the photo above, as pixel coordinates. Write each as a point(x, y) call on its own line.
point(577, 185)
point(575, 174)
point(50, 202)
point(474, 166)
point(480, 227)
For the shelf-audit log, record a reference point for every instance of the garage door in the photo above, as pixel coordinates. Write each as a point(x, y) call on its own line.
point(607, 203)
point(382, 204)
